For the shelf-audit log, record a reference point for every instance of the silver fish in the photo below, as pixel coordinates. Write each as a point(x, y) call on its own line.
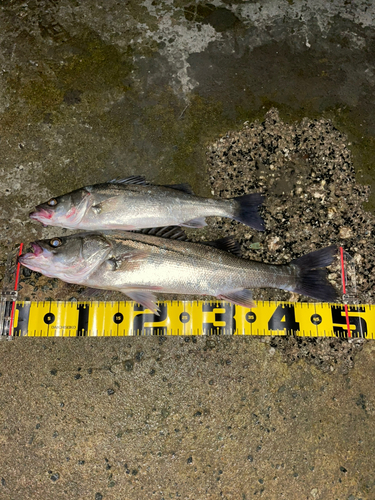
point(140, 265)
point(132, 203)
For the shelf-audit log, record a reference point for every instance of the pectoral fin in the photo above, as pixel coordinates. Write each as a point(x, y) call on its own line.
point(128, 261)
point(108, 205)
point(143, 297)
point(196, 223)
point(242, 297)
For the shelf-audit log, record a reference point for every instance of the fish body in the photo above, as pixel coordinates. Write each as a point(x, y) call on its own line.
point(140, 265)
point(134, 204)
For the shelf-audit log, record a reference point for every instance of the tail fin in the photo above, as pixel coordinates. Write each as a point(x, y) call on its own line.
point(247, 210)
point(312, 280)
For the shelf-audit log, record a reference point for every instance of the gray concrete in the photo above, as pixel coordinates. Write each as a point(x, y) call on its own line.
point(96, 90)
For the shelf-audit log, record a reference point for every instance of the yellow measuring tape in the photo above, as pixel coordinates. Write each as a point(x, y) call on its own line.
point(111, 319)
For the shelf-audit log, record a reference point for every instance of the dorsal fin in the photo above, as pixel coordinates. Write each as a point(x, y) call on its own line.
point(228, 244)
point(185, 187)
point(133, 179)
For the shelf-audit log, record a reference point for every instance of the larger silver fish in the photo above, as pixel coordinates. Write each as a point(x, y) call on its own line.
point(132, 203)
point(139, 265)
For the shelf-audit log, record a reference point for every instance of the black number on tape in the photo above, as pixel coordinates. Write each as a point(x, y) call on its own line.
point(139, 321)
point(316, 319)
point(250, 317)
point(339, 318)
point(284, 319)
point(184, 317)
point(118, 318)
point(83, 320)
point(227, 317)
point(49, 318)
point(23, 319)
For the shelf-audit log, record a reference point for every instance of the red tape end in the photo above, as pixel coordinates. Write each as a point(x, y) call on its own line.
point(15, 289)
point(344, 289)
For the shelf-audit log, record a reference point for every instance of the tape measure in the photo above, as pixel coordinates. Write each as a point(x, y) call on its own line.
point(108, 319)
point(125, 318)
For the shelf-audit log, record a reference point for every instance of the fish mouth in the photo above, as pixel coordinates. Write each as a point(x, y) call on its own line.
point(36, 251)
point(41, 214)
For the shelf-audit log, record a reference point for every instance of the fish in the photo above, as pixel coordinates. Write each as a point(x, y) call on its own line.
point(141, 265)
point(133, 203)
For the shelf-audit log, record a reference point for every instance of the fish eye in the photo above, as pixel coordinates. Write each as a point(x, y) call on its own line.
point(52, 202)
point(55, 242)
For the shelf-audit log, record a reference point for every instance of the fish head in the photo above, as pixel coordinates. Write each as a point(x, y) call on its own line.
point(71, 258)
point(63, 211)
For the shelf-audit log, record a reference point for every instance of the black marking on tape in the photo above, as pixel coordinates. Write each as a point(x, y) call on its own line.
point(227, 316)
point(83, 320)
point(184, 317)
point(284, 319)
point(316, 319)
point(118, 318)
point(49, 318)
point(251, 317)
point(339, 318)
point(139, 321)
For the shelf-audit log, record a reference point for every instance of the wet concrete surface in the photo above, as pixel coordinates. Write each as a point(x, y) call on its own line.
point(92, 91)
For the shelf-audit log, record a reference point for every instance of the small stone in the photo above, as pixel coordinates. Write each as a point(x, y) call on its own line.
point(138, 357)
point(210, 343)
point(98, 496)
point(128, 365)
point(342, 469)
point(55, 477)
point(53, 372)
point(77, 376)
point(274, 244)
point(250, 458)
point(189, 460)
point(110, 392)
point(345, 232)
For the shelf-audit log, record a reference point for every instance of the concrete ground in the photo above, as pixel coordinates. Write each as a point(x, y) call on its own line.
point(96, 90)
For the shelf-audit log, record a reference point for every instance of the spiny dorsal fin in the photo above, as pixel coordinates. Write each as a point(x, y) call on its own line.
point(185, 187)
point(228, 244)
point(133, 179)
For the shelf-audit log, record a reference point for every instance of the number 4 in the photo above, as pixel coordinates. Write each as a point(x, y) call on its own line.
point(284, 319)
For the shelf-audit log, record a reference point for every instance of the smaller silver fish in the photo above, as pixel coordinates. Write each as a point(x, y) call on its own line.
point(139, 265)
point(132, 203)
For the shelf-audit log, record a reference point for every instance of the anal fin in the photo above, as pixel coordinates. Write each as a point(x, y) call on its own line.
point(242, 297)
